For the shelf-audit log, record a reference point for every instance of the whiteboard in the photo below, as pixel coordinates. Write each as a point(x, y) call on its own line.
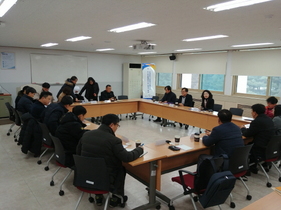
point(56, 69)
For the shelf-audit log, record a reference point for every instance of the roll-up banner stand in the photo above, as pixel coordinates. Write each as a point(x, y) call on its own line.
point(148, 80)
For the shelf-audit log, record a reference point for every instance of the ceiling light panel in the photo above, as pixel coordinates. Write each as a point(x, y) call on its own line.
point(251, 45)
point(78, 38)
point(205, 38)
point(5, 6)
point(105, 49)
point(132, 27)
point(185, 50)
point(49, 44)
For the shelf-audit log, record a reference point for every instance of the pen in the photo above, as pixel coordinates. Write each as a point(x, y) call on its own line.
point(143, 154)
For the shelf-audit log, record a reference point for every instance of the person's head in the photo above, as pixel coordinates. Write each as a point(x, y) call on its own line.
point(206, 94)
point(45, 98)
point(225, 116)
point(23, 91)
point(91, 81)
point(111, 120)
point(167, 89)
point(46, 86)
point(66, 90)
point(257, 109)
point(30, 91)
point(271, 102)
point(74, 79)
point(76, 89)
point(66, 101)
point(80, 112)
point(184, 91)
point(277, 110)
point(108, 88)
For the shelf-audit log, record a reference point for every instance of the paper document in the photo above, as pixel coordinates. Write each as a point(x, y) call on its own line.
point(247, 125)
point(184, 147)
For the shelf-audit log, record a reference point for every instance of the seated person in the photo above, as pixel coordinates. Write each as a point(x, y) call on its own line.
point(65, 92)
point(107, 94)
point(26, 101)
point(207, 100)
point(54, 113)
point(70, 131)
point(185, 99)
point(46, 87)
point(169, 97)
point(277, 120)
point(39, 106)
point(261, 129)
point(20, 94)
point(102, 143)
point(226, 136)
point(271, 103)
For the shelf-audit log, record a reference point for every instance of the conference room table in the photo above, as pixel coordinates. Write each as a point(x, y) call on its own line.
point(182, 114)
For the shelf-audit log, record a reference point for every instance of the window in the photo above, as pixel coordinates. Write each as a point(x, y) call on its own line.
point(213, 82)
point(190, 81)
point(164, 79)
point(275, 86)
point(256, 85)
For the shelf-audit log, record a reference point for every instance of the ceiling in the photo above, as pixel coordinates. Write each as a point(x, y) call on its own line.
point(31, 23)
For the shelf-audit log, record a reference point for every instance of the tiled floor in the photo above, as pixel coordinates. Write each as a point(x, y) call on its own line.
point(24, 185)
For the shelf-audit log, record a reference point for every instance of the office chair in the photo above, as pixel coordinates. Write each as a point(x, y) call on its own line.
point(154, 98)
point(236, 111)
point(197, 182)
point(60, 157)
point(217, 107)
point(11, 117)
point(272, 154)
point(91, 176)
point(122, 97)
point(239, 164)
point(47, 143)
point(18, 122)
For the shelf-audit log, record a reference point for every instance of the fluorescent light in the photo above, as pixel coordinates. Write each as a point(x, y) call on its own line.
point(49, 44)
point(78, 38)
point(204, 38)
point(251, 45)
point(233, 4)
point(183, 50)
point(5, 6)
point(105, 49)
point(132, 27)
point(143, 53)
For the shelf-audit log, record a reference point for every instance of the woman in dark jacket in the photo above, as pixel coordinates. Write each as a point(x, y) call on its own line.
point(92, 89)
point(20, 94)
point(207, 100)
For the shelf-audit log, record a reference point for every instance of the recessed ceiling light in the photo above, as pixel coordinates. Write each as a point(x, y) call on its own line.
point(183, 50)
point(78, 38)
point(204, 38)
point(233, 4)
point(131, 27)
point(251, 45)
point(49, 44)
point(5, 6)
point(105, 49)
point(143, 53)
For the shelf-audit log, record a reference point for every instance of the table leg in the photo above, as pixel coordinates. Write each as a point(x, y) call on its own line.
point(152, 190)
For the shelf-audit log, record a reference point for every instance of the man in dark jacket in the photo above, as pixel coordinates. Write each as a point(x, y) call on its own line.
point(70, 82)
point(39, 106)
point(226, 136)
point(25, 103)
point(54, 113)
point(261, 129)
point(70, 131)
point(103, 143)
point(169, 97)
point(107, 94)
point(185, 100)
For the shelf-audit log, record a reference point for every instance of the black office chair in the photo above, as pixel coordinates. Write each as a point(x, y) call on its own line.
point(18, 122)
point(217, 107)
point(47, 143)
point(239, 164)
point(11, 117)
point(197, 182)
point(236, 111)
point(154, 98)
point(91, 176)
point(122, 97)
point(61, 161)
point(272, 154)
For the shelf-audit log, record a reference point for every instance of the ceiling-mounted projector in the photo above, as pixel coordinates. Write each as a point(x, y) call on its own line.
point(144, 45)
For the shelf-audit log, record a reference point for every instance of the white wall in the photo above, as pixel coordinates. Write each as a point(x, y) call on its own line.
point(104, 68)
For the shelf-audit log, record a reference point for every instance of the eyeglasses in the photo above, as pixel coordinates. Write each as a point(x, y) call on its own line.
point(118, 124)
